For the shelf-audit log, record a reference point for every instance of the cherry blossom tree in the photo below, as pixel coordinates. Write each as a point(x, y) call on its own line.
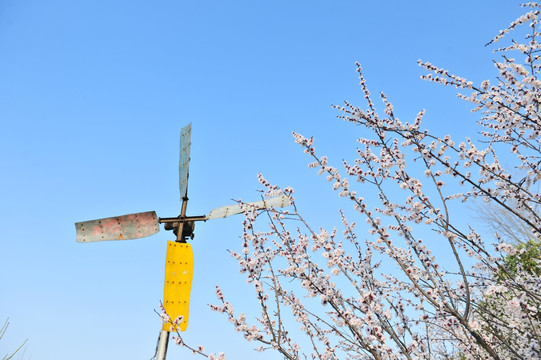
point(402, 278)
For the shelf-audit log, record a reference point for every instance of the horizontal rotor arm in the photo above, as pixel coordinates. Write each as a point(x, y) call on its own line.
point(182, 219)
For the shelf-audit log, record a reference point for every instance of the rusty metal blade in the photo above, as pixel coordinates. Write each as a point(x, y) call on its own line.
point(185, 142)
point(132, 226)
point(224, 211)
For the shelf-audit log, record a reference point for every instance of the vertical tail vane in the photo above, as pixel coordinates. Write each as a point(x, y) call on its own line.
point(185, 142)
point(178, 284)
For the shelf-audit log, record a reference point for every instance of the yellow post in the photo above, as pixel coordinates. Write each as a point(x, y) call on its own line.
point(178, 283)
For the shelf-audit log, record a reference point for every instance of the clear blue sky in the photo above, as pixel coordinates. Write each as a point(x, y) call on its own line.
point(93, 95)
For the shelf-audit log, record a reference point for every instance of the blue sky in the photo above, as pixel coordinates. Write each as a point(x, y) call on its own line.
point(93, 95)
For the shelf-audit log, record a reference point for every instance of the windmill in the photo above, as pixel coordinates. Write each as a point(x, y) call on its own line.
point(179, 257)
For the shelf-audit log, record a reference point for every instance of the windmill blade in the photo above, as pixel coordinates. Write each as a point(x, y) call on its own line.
point(224, 211)
point(184, 163)
point(132, 226)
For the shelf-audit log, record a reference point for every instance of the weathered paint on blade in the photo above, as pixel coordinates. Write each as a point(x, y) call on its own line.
point(132, 226)
point(184, 163)
point(224, 211)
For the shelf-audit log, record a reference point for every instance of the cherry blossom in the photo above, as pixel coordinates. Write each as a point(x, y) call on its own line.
point(402, 278)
